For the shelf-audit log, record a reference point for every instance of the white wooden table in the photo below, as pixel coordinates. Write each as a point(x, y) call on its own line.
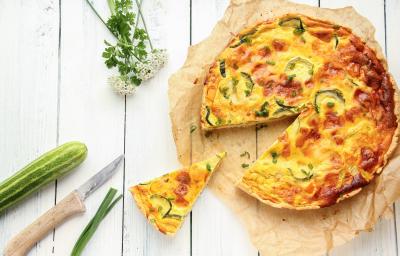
point(53, 89)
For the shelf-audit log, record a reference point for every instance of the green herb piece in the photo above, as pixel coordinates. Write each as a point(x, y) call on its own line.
point(245, 165)
point(249, 83)
point(330, 104)
point(310, 166)
point(245, 38)
point(270, 62)
point(193, 128)
point(295, 22)
point(308, 174)
point(293, 93)
point(208, 166)
point(245, 153)
point(274, 156)
point(298, 31)
point(291, 77)
point(222, 68)
point(336, 41)
point(105, 207)
point(263, 112)
point(247, 93)
point(224, 92)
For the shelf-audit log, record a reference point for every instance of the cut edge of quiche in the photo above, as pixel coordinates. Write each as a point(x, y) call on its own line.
point(165, 201)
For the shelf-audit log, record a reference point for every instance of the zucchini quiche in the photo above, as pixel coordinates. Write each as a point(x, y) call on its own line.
point(165, 201)
point(343, 97)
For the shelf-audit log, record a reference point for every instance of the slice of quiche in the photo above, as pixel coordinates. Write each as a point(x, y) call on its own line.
point(165, 201)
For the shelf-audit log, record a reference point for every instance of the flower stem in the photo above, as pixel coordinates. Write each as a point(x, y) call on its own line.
point(111, 5)
point(101, 19)
point(105, 24)
point(139, 5)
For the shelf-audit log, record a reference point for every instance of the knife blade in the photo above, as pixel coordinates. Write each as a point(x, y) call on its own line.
point(71, 205)
point(99, 178)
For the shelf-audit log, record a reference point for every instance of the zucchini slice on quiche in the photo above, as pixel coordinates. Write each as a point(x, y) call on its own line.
point(165, 201)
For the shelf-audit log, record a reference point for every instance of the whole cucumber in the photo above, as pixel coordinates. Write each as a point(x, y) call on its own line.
point(47, 168)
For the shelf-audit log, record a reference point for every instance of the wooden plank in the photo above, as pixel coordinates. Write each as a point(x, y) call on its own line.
point(150, 149)
point(215, 229)
point(28, 103)
point(89, 112)
point(393, 53)
point(382, 241)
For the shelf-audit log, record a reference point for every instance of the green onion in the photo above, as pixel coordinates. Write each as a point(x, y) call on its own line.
point(91, 227)
point(249, 83)
point(263, 112)
point(224, 92)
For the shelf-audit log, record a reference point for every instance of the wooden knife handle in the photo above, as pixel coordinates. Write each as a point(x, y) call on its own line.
point(26, 239)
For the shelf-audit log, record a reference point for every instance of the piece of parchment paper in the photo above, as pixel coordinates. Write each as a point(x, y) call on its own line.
point(272, 231)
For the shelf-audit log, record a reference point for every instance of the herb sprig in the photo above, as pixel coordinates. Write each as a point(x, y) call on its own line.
point(132, 54)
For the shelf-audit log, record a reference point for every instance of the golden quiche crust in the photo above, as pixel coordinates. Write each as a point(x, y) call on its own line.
point(345, 101)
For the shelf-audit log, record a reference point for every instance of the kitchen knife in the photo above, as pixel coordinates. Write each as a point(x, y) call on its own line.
point(71, 205)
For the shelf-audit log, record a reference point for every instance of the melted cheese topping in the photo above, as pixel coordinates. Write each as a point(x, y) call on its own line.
point(297, 65)
point(166, 200)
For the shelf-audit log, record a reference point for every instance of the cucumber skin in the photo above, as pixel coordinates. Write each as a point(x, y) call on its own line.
point(45, 169)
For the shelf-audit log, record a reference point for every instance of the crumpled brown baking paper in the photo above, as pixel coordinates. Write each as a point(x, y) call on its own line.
point(273, 231)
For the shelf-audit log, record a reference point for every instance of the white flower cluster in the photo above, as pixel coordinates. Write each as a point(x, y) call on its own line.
point(153, 63)
point(121, 85)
